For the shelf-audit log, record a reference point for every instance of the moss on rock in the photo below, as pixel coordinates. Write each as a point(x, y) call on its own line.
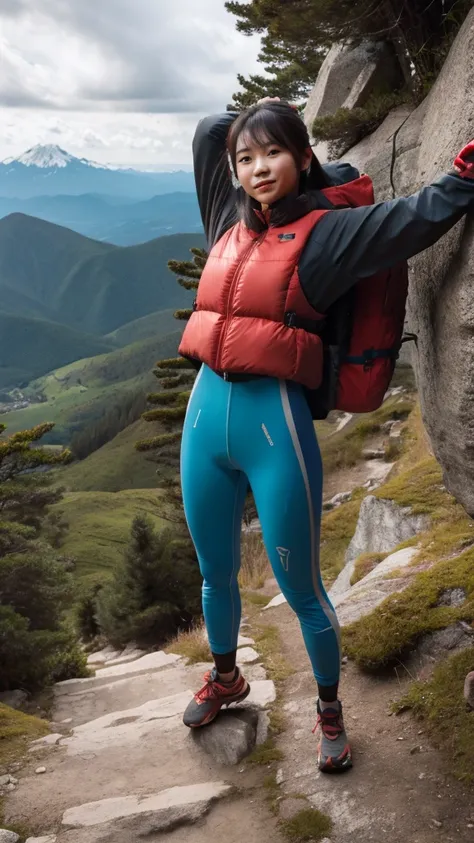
point(396, 624)
point(337, 530)
point(364, 564)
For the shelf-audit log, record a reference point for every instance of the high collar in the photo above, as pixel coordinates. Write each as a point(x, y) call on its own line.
point(291, 208)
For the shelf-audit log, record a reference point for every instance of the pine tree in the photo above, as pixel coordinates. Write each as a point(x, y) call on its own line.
point(155, 591)
point(173, 374)
point(298, 33)
point(35, 587)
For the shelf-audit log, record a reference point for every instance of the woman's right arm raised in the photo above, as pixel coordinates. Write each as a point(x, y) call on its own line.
point(216, 193)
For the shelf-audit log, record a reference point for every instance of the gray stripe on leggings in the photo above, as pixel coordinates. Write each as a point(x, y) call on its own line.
point(325, 605)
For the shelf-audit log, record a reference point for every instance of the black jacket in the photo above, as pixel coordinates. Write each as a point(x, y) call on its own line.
point(346, 244)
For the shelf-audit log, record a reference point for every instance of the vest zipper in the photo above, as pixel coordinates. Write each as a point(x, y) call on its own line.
point(237, 274)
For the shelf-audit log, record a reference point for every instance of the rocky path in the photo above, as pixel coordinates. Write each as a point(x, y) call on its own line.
point(120, 766)
point(398, 791)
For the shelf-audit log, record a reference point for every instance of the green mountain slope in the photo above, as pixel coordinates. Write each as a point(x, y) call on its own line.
point(31, 347)
point(155, 324)
point(80, 393)
point(50, 271)
point(106, 291)
point(99, 528)
point(35, 256)
point(115, 466)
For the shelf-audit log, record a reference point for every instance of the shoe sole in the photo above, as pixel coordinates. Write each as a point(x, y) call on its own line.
point(212, 716)
point(335, 767)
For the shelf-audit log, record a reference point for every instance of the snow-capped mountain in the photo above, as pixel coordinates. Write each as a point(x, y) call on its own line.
point(49, 170)
point(45, 156)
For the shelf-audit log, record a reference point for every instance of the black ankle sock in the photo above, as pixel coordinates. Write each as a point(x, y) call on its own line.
point(328, 693)
point(225, 663)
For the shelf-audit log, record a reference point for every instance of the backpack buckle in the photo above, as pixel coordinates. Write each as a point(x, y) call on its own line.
point(290, 319)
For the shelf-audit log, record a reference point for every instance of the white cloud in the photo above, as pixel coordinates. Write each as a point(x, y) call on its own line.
point(125, 82)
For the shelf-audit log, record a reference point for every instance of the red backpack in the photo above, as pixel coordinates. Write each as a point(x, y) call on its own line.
point(365, 326)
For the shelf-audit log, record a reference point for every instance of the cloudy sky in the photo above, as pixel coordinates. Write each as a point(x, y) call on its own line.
point(118, 81)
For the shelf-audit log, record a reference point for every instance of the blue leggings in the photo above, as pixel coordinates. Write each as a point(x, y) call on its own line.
point(257, 432)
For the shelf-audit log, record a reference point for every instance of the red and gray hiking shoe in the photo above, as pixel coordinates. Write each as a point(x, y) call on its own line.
point(334, 752)
point(207, 703)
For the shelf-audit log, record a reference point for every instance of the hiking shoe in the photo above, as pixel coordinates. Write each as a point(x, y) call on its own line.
point(334, 752)
point(207, 703)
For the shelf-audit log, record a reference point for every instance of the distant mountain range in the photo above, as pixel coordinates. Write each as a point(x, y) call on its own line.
point(50, 171)
point(113, 220)
point(123, 207)
point(62, 293)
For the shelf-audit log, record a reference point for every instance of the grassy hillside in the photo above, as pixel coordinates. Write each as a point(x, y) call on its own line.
point(31, 347)
point(81, 392)
point(155, 324)
point(115, 466)
point(99, 527)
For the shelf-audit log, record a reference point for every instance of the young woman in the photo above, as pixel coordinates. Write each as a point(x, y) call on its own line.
point(276, 263)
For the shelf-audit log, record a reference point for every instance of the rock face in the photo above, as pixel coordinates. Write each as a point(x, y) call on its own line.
point(348, 76)
point(441, 304)
point(382, 525)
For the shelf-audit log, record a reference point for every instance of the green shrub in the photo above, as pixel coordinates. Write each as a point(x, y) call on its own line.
point(346, 127)
point(155, 592)
point(34, 658)
point(35, 584)
point(86, 613)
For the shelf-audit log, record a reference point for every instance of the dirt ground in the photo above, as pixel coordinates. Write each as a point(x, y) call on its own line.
point(399, 790)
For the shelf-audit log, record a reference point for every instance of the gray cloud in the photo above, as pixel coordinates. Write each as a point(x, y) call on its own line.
point(12, 8)
point(150, 55)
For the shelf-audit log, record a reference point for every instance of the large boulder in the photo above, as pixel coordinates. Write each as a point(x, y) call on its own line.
point(382, 525)
point(349, 75)
point(441, 301)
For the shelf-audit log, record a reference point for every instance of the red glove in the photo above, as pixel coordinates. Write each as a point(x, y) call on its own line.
point(464, 163)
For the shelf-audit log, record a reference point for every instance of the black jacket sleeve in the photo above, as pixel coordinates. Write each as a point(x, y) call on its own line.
point(354, 243)
point(215, 190)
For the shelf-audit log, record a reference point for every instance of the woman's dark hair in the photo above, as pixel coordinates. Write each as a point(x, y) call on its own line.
point(281, 124)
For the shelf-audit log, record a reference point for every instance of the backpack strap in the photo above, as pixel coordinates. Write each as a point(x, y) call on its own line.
point(312, 326)
point(368, 356)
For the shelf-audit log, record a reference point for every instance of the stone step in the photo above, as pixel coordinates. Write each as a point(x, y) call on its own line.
point(51, 838)
point(133, 725)
point(142, 816)
point(146, 664)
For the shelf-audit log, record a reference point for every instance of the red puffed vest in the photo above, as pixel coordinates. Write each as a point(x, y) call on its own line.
point(248, 300)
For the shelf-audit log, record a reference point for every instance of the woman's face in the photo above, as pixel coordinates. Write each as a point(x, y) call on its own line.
point(268, 172)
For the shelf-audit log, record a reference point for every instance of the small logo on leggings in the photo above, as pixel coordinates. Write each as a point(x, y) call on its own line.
point(284, 555)
point(269, 438)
